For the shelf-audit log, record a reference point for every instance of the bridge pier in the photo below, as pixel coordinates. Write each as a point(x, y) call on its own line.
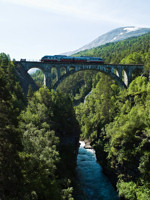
point(126, 77)
point(47, 78)
point(120, 73)
point(112, 70)
point(58, 72)
point(67, 69)
point(129, 75)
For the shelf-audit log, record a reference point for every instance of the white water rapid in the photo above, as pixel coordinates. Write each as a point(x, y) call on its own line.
point(94, 184)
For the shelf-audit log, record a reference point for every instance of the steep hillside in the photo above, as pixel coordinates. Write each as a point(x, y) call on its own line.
point(116, 52)
point(113, 36)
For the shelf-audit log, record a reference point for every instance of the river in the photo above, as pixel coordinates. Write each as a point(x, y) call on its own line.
point(93, 183)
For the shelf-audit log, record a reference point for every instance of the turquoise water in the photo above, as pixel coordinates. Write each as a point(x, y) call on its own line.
point(93, 183)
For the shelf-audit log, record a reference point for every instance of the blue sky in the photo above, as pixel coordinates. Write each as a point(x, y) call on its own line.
point(33, 28)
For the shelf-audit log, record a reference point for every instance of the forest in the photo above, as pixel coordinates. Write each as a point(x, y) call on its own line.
point(33, 161)
point(116, 121)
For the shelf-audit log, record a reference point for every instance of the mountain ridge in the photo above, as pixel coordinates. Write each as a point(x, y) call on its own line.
point(114, 35)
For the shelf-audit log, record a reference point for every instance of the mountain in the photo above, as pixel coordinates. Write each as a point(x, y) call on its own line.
point(113, 36)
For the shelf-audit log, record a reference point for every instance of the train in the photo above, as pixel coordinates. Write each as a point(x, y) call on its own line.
point(70, 59)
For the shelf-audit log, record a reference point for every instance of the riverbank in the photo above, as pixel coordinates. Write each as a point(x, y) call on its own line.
point(102, 160)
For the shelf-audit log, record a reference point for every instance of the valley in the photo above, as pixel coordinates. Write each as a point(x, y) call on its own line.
point(40, 129)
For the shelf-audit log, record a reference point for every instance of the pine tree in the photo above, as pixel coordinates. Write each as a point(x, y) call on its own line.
point(10, 141)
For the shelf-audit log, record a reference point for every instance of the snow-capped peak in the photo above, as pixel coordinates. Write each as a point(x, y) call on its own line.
point(130, 29)
point(115, 35)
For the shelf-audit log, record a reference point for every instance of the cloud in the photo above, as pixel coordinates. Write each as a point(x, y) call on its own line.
point(116, 13)
point(83, 9)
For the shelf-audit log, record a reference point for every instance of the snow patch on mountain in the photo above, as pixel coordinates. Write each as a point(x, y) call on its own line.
point(130, 29)
point(114, 39)
point(113, 36)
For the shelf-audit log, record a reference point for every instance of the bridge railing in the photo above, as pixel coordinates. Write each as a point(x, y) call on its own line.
point(30, 60)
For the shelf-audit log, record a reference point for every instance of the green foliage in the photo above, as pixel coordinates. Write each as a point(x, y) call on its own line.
point(130, 51)
point(40, 158)
point(38, 77)
point(30, 93)
point(147, 63)
point(79, 84)
point(32, 162)
point(11, 103)
point(132, 191)
point(99, 108)
point(127, 190)
point(48, 114)
point(118, 125)
point(133, 58)
point(128, 138)
point(67, 193)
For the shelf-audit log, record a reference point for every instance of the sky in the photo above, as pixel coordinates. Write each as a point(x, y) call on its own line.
point(33, 28)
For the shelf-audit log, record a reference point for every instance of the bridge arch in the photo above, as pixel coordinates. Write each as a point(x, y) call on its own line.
point(116, 72)
point(114, 76)
point(70, 68)
point(54, 75)
point(63, 70)
point(125, 77)
point(41, 69)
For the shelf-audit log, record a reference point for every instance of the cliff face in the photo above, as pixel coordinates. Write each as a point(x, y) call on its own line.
point(69, 139)
point(112, 174)
point(25, 80)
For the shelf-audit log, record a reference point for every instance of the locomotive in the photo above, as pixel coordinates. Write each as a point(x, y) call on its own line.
point(70, 59)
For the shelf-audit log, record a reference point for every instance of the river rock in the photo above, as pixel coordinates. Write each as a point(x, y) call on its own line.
point(87, 145)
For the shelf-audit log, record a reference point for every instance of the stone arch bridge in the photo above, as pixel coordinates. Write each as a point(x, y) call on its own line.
point(120, 73)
